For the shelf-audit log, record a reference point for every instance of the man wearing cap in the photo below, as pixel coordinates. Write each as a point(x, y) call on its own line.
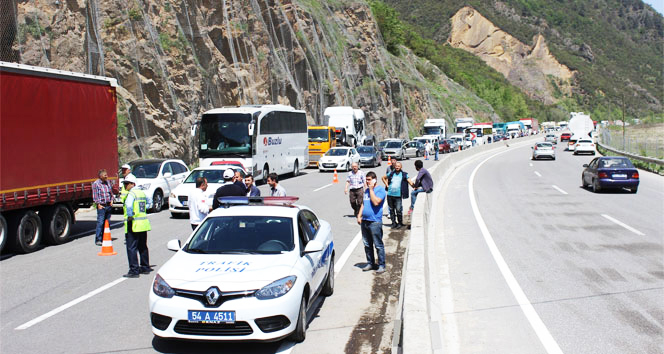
point(137, 226)
point(228, 189)
point(126, 171)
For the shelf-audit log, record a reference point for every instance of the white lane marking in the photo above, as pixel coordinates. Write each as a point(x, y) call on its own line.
point(624, 225)
point(347, 252)
point(69, 304)
point(287, 346)
point(542, 332)
point(558, 189)
point(325, 186)
point(538, 174)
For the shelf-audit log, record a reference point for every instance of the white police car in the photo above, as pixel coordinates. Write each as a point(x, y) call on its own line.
point(248, 272)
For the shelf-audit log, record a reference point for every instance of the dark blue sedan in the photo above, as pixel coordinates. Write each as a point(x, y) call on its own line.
point(610, 172)
point(369, 156)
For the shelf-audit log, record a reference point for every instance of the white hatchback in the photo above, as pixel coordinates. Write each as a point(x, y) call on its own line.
point(249, 272)
point(178, 201)
point(338, 158)
point(584, 146)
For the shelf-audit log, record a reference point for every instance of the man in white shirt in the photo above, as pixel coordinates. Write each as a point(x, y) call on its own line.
point(198, 208)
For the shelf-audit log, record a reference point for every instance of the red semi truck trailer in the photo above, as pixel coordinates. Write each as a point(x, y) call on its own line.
point(57, 130)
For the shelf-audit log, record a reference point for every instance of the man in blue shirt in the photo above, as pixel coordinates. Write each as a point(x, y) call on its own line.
point(397, 190)
point(370, 218)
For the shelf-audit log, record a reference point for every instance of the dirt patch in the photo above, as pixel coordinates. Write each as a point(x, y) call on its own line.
point(373, 333)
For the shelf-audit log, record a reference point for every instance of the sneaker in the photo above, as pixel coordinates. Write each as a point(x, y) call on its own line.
point(98, 243)
point(367, 267)
point(394, 225)
point(131, 275)
point(146, 271)
point(400, 226)
point(381, 269)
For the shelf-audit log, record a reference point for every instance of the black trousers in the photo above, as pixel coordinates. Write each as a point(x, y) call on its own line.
point(137, 245)
point(356, 199)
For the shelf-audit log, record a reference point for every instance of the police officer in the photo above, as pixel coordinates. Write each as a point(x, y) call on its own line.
point(126, 172)
point(137, 226)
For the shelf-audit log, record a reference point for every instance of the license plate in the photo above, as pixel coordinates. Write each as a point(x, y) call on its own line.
point(619, 176)
point(211, 316)
point(185, 203)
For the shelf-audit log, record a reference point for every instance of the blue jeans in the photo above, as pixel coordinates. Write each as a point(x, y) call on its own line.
point(436, 153)
point(103, 214)
point(413, 196)
point(372, 235)
point(137, 245)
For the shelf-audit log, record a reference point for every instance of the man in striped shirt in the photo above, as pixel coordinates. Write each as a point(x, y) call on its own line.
point(102, 195)
point(355, 183)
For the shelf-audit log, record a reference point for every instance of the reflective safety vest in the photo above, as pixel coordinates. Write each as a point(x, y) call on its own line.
point(140, 221)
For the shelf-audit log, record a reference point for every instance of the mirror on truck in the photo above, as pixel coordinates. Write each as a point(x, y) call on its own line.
point(251, 129)
point(193, 128)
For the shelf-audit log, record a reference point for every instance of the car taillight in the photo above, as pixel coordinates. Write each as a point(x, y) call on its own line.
point(603, 175)
point(635, 175)
point(593, 145)
point(535, 147)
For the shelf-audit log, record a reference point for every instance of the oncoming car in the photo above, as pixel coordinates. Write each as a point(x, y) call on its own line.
point(249, 272)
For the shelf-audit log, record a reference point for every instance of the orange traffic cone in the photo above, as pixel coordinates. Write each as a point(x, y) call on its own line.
point(336, 178)
point(107, 243)
point(389, 161)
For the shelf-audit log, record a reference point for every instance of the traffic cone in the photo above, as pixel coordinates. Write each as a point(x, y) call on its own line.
point(389, 161)
point(107, 242)
point(336, 178)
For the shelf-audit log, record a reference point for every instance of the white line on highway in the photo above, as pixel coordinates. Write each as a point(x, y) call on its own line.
point(69, 304)
point(624, 225)
point(344, 256)
point(558, 189)
point(325, 186)
point(538, 174)
point(542, 332)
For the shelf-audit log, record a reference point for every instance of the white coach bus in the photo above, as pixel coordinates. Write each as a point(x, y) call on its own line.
point(261, 138)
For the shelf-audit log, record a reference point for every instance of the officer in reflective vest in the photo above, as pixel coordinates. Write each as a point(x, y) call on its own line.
point(126, 172)
point(137, 226)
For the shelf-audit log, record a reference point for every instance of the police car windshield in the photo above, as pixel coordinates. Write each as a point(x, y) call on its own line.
point(243, 235)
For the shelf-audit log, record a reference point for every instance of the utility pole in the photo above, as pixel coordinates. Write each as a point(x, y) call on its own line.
point(623, 119)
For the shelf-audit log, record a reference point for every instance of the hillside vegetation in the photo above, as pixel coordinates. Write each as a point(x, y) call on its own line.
point(615, 46)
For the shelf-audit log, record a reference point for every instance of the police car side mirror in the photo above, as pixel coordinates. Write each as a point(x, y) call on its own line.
point(167, 174)
point(174, 245)
point(313, 246)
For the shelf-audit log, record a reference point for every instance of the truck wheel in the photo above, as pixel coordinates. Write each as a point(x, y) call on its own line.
point(3, 232)
point(266, 172)
point(58, 221)
point(27, 228)
point(157, 201)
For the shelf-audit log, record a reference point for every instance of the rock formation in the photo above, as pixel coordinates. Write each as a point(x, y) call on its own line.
point(534, 69)
point(177, 59)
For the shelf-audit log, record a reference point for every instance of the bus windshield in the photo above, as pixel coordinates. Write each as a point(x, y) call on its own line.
point(225, 134)
point(319, 135)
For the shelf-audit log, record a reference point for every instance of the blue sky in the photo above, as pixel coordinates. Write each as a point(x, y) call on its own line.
point(658, 5)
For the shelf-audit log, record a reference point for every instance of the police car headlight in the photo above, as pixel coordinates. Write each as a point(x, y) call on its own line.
point(276, 289)
point(161, 287)
point(144, 187)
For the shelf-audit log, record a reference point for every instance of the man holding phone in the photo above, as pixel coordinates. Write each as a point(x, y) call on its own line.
point(370, 218)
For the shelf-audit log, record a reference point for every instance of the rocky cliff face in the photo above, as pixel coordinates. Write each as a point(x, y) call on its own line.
point(532, 68)
point(177, 59)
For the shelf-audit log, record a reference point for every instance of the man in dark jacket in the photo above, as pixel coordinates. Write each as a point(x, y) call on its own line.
point(397, 190)
point(252, 190)
point(228, 189)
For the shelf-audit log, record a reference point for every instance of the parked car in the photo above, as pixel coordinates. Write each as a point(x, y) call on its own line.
point(156, 178)
point(565, 136)
point(584, 146)
point(610, 172)
point(444, 146)
point(545, 149)
point(551, 138)
point(369, 156)
point(380, 146)
point(178, 201)
point(338, 158)
point(414, 149)
point(395, 148)
point(249, 272)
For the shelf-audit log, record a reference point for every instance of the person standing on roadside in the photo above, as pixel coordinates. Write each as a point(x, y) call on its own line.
point(102, 195)
point(228, 189)
point(390, 169)
point(397, 190)
point(237, 179)
point(198, 208)
point(252, 190)
point(137, 226)
point(423, 183)
point(370, 218)
point(355, 184)
point(275, 189)
point(126, 171)
point(436, 148)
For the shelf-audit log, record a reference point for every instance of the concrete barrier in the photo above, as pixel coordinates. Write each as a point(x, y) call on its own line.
point(418, 325)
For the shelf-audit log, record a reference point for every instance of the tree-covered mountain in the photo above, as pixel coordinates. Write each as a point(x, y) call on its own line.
point(615, 47)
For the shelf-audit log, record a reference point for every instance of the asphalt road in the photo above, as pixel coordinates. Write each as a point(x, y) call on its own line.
point(67, 299)
point(590, 267)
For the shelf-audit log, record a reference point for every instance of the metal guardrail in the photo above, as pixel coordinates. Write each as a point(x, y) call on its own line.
point(633, 156)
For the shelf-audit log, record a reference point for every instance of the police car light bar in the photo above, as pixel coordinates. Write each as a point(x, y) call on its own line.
point(229, 201)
